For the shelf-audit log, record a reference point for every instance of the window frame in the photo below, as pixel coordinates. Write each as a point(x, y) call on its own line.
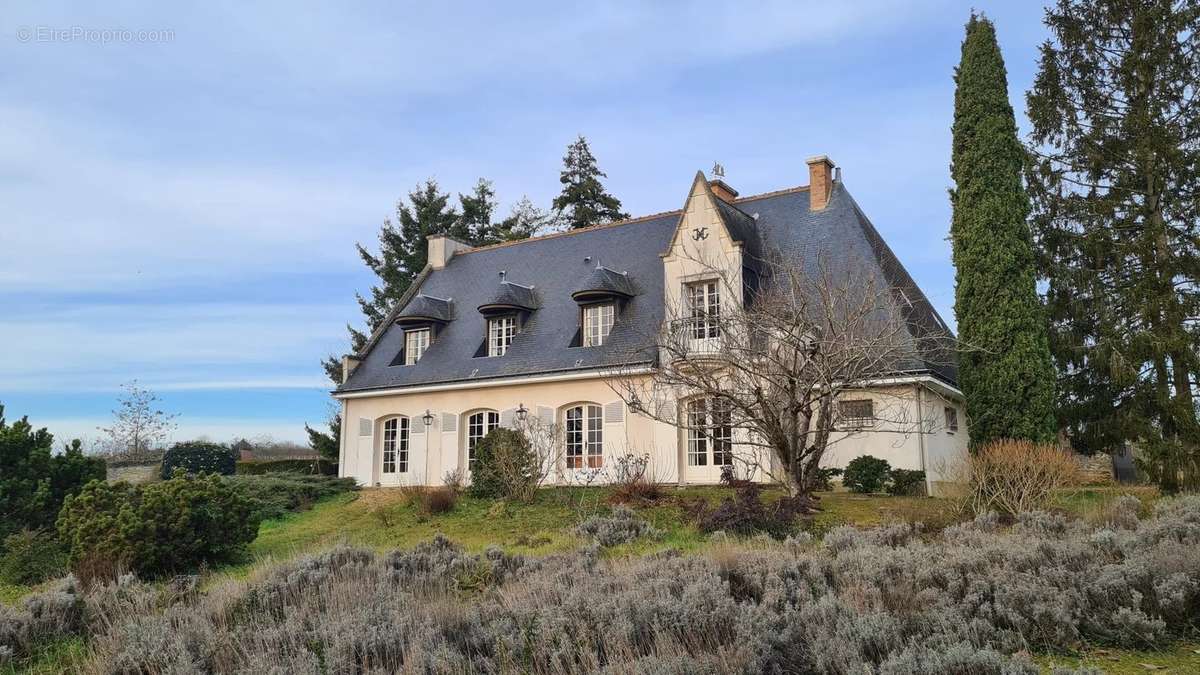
point(951, 414)
point(856, 421)
point(604, 324)
point(488, 421)
point(709, 432)
point(703, 304)
point(397, 432)
point(413, 353)
point(499, 340)
point(583, 425)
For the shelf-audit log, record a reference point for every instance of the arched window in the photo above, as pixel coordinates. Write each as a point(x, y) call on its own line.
point(585, 436)
point(709, 433)
point(395, 445)
point(479, 424)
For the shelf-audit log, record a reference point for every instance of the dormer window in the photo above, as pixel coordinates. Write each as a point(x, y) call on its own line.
point(416, 341)
point(598, 323)
point(501, 330)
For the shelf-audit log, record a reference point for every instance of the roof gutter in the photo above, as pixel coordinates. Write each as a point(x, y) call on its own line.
point(498, 382)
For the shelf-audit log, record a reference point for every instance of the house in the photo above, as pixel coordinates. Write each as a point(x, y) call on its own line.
point(538, 329)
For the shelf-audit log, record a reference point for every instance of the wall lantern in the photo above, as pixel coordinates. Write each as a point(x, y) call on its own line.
point(522, 412)
point(427, 418)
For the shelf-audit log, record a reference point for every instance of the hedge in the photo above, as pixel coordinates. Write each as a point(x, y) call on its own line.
point(198, 457)
point(310, 466)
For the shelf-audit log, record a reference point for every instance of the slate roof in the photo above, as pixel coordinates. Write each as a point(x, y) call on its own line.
point(553, 266)
point(603, 281)
point(425, 307)
point(509, 295)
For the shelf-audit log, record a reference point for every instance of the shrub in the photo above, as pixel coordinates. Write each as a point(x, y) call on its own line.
point(172, 526)
point(746, 514)
point(505, 466)
point(437, 500)
point(866, 474)
point(455, 479)
point(825, 478)
point(30, 557)
point(1012, 477)
point(274, 495)
point(869, 601)
point(320, 467)
point(620, 527)
point(199, 457)
point(906, 482)
point(34, 481)
point(631, 482)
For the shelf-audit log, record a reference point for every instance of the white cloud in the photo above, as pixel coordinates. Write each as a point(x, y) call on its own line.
point(220, 429)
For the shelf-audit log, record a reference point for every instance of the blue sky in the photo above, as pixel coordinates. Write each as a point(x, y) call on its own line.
point(182, 209)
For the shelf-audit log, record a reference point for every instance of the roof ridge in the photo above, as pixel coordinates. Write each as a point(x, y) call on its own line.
point(627, 221)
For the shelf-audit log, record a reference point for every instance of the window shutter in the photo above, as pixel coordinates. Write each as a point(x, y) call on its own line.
point(545, 415)
point(664, 410)
point(508, 418)
point(449, 423)
point(416, 427)
point(364, 426)
point(614, 413)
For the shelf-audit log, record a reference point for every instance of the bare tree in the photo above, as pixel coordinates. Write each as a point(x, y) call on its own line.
point(768, 372)
point(138, 424)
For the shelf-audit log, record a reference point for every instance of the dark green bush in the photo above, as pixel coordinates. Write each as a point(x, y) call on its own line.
point(308, 466)
point(275, 495)
point(33, 480)
point(30, 557)
point(505, 466)
point(866, 474)
point(155, 529)
point(825, 478)
point(906, 483)
point(199, 457)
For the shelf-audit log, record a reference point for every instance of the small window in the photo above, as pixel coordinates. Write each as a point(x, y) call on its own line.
point(415, 344)
point(597, 323)
point(709, 432)
point(585, 437)
point(500, 334)
point(395, 445)
point(951, 419)
point(479, 424)
point(857, 414)
point(704, 310)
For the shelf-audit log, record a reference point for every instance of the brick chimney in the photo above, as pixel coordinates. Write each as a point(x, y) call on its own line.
point(820, 181)
point(722, 190)
point(442, 249)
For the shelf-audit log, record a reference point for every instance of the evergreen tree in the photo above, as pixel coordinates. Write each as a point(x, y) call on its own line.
point(1116, 137)
point(475, 219)
point(1005, 368)
point(583, 200)
point(525, 220)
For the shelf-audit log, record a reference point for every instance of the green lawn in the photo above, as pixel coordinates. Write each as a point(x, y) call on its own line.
point(384, 519)
point(1180, 659)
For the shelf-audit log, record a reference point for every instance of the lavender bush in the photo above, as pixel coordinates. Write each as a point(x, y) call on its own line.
point(885, 601)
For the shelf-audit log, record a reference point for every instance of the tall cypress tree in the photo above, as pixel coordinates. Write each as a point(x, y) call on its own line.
point(584, 201)
point(1005, 368)
point(1116, 134)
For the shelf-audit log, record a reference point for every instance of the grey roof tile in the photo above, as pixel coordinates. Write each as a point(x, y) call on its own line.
point(553, 267)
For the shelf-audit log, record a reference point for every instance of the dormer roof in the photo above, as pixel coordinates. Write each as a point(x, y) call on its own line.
point(509, 297)
point(604, 283)
point(425, 309)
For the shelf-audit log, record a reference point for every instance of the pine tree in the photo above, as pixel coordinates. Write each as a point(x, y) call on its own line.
point(1005, 368)
point(583, 201)
point(1116, 134)
point(475, 220)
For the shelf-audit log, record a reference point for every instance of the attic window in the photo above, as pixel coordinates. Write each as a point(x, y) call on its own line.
point(415, 344)
point(501, 330)
point(597, 323)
